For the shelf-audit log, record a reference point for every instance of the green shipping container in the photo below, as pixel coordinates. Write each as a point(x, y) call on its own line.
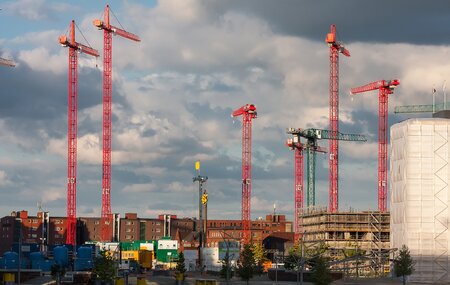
point(167, 255)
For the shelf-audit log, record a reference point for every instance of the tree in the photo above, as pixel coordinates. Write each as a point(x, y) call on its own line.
point(353, 250)
point(403, 264)
point(104, 267)
point(181, 267)
point(319, 250)
point(260, 256)
point(246, 263)
point(292, 261)
point(225, 271)
point(296, 260)
point(57, 271)
point(321, 274)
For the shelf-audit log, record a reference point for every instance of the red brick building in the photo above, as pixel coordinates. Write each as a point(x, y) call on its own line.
point(45, 230)
point(219, 230)
point(32, 229)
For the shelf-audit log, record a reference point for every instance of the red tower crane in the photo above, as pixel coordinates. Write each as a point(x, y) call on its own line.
point(385, 88)
point(335, 48)
point(108, 29)
point(248, 113)
point(298, 147)
point(74, 48)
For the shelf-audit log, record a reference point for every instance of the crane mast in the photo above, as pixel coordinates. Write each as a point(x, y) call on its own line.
point(248, 113)
point(312, 136)
point(335, 48)
point(72, 124)
point(385, 88)
point(108, 30)
point(298, 148)
point(311, 147)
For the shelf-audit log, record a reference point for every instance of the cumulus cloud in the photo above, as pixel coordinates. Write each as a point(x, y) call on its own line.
point(173, 94)
point(36, 10)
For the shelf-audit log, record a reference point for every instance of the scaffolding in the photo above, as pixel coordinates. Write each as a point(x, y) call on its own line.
point(420, 178)
point(357, 241)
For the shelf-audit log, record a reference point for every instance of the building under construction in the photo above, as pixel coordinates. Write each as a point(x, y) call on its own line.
point(352, 236)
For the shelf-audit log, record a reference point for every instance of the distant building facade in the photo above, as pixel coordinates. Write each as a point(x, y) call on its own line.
point(46, 230)
point(220, 230)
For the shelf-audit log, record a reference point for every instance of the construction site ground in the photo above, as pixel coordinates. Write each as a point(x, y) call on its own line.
point(263, 280)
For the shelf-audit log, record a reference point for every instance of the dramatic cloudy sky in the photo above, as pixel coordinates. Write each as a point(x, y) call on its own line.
point(174, 93)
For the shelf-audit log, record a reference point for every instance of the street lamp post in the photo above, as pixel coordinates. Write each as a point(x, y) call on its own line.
point(302, 262)
point(201, 180)
point(169, 254)
point(19, 220)
point(227, 254)
point(275, 257)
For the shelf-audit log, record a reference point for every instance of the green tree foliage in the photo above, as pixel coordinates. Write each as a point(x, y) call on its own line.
point(180, 269)
point(403, 264)
point(292, 261)
point(226, 267)
point(246, 263)
point(319, 249)
point(260, 256)
point(352, 249)
point(321, 274)
point(57, 271)
point(104, 267)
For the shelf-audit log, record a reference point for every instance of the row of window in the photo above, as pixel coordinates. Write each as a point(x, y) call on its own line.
point(129, 223)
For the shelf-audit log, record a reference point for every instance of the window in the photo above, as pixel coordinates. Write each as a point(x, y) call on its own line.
point(96, 222)
point(33, 235)
point(127, 237)
point(158, 230)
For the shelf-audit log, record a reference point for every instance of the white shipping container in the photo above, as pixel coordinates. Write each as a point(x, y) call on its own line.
point(419, 196)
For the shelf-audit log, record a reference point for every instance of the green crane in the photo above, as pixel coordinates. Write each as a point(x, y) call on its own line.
point(312, 136)
point(433, 108)
point(421, 108)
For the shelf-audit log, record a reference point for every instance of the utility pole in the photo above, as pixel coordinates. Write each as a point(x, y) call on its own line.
point(201, 180)
point(19, 221)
